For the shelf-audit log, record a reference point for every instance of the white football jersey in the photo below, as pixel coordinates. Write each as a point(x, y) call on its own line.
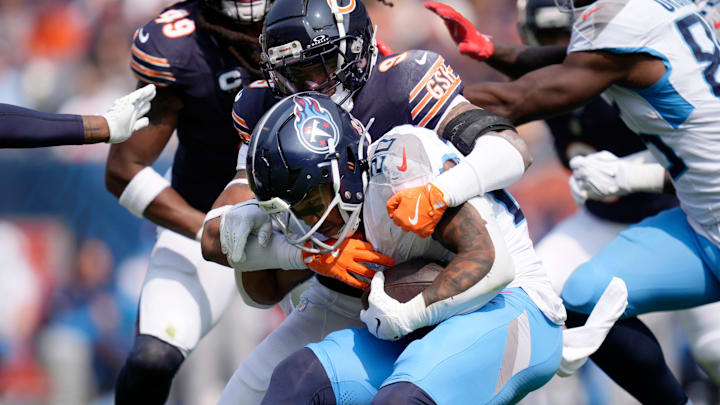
point(678, 117)
point(409, 156)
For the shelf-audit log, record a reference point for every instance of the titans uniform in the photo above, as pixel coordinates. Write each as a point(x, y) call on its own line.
point(507, 348)
point(415, 87)
point(183, 295)
point(671, 260)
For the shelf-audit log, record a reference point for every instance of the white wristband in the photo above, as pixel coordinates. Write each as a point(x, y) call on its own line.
point(142, 190)
point(216, 213)
point(494, 163)
point(236, 181)
point(647, 177)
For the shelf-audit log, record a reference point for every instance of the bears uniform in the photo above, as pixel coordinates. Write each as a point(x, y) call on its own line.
point(183, 295)
point(415, 87)
point(170, 51)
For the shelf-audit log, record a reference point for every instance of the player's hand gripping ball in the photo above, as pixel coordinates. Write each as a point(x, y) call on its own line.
point(389, 311)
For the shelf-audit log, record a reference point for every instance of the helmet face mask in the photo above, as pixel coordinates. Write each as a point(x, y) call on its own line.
point(307, 167)
point(240, 11)
point(317, 47)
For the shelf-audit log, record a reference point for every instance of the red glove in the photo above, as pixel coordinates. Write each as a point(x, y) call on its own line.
point(470, 41)
point(343, 262)
point(417, 209)
point(383, 48)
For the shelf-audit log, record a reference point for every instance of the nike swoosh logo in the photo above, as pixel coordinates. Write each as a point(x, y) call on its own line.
point(143, 36)
point(414, 220)
point(403, 166)
point(378, 326)
point(422, 60)
point(586, 15)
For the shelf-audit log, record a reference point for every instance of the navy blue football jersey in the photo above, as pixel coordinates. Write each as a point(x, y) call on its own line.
point(597, 126)
point(414, 87)
point(173, 51)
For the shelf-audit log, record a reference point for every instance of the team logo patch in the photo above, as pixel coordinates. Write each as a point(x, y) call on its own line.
point(314, 125)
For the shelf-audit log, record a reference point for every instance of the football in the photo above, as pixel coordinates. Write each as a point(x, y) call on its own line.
point(406, 280)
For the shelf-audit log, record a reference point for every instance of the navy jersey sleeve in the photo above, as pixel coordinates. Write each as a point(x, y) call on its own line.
point(25, 128)
point(250, 105)
point(420, 84)
point(162, 47)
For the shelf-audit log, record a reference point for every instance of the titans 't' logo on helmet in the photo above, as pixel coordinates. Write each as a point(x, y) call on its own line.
point(314, 125)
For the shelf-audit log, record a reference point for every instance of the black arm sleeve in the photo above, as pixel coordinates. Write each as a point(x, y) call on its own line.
point(467, 127)
point(25, 128)
point(516, 60)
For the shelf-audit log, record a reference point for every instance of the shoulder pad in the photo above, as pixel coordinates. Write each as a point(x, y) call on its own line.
point(249, 106)
point(421, 82)
point(163, 45)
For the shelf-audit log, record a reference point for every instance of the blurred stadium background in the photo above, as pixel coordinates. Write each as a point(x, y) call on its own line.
point(72, 260)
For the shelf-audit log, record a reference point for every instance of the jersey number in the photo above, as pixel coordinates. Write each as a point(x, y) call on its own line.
point(504, 198)
point(712, 58)
point(176, 25)
point(674, 164)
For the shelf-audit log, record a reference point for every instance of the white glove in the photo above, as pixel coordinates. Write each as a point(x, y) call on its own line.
point(235, 226)
point(603, 174)
point(124, 116)
point(387, 318)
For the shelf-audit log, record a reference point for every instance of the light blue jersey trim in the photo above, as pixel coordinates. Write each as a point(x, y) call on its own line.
point(662, 95)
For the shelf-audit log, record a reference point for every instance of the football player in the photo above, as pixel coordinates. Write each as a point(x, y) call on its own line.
point(199, 54)
point(25, 128)
point(330, 46)
point(311, 169)
point(654, 60)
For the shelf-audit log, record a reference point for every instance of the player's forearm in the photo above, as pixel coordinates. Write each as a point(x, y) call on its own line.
point(171, 211)
point(516, 60)
point(268, 287)
point(25, 128)
point(460, 232)
point(95, 129)
point(480, 270)
point(210, 242)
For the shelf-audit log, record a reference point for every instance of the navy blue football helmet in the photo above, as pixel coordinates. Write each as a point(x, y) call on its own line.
point(539, 20)
point(306, 145)
point(319, 45)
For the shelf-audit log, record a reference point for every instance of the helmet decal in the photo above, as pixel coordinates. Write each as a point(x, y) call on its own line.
point(343, 9)
point(314, 125)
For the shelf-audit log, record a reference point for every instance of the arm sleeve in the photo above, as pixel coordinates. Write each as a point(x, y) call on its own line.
point(25, 128)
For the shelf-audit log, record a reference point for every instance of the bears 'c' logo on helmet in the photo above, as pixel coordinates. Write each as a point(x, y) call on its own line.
point(314, 125)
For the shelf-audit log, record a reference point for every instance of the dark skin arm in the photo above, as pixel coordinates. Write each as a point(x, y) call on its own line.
point(268, 287)
point(95, 128)
point(559, 88)
point(510, 136)
point(126, 159)
point(516, 60)
point(463, 231)
point(210, 242)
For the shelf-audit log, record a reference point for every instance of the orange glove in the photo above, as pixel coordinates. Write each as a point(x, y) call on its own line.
point(417, 209)
point(470, 41)
point(344, 262)
point(383, 48)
